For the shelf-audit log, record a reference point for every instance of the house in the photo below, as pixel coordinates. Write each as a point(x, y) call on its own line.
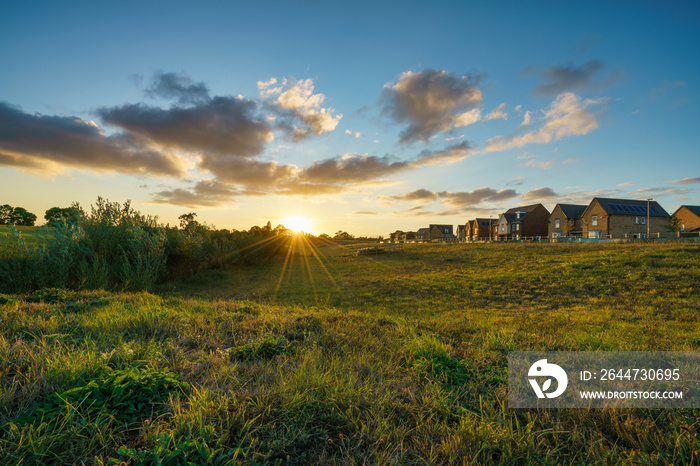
point(529, 221)
point(480, 228)
point(441, 233)
point(689, 216)
point(423, 234)
point(566, 220)
point(623, 218)
point(462, 232)
point(397, 236)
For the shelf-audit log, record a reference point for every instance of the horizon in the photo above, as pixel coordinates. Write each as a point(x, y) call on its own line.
point(366, 119)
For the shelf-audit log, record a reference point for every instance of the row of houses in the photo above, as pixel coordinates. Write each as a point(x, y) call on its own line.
point(601, 218)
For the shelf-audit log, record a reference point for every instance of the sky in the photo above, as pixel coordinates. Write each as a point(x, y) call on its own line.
point(365, 117)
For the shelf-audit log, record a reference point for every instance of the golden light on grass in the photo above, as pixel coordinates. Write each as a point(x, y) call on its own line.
point(298, 224)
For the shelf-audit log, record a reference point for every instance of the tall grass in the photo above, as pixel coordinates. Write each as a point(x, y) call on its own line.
point(116, 247)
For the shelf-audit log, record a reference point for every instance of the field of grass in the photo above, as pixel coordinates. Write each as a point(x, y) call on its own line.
point(31, 235)
point(330, 358)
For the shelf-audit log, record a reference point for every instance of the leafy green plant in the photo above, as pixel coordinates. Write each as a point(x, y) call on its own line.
point(127, 396)
point(260, 349)
point(169, 451)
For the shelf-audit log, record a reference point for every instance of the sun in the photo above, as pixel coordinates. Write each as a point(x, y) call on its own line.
point(297, 224)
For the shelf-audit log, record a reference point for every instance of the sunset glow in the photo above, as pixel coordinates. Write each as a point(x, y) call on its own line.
point(298, 224)
point(375, 119)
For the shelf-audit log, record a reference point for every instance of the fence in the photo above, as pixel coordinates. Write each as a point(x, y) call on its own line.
point(378, 249)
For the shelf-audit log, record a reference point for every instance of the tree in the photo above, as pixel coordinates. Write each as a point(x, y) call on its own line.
point(342, 235)
point(187, 221)
point(674, 223)
point(5, 213)
point(71, 214)
point(20, 216)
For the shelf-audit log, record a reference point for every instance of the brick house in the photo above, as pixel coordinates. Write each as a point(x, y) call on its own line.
point(623, 218)
point(462, 232)
point(423, 234)
point(529, 221)
point(689, 215)
point(566, 220)
point(441, 233)
point(480, 228)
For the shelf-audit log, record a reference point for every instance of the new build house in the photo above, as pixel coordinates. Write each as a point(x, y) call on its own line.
point(565, 221)
point(623, 218)
point(529, 221)
point(689, 216)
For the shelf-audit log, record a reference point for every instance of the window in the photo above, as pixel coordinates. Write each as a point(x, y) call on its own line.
point(644, 220)
point(571, 222)
point(517, 227)
point(682, 226)
point(556, 223)
point(594, 220)
point(636, 220)
point(503, 228)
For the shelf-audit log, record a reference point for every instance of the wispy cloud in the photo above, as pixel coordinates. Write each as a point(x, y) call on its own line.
point(497, 113)
point(568, 115)
point(558, 79)
point(458, 199)
point(686, 181)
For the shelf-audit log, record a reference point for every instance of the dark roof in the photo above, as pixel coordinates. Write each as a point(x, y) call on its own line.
point(484, 222)
point(525, 208)
point(693, 208)
point(422, 231)
point(631, 207)
point(572, 210)
point(510, 216)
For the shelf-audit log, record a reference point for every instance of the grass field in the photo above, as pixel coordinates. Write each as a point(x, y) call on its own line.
point(330, 358)
point(31, 235)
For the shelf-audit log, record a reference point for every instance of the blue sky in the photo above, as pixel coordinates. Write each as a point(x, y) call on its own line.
point(365, 117)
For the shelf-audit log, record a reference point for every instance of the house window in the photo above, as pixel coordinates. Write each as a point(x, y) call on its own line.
point(503, 228)
point(594, 220)
point(682, 226)
point(636, 220)
point(644, 220)
point(517, 227)
point(571, 222)
point(556, 223)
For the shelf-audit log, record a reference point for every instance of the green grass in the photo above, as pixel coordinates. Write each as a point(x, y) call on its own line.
point(390, 359)
point(31, 235)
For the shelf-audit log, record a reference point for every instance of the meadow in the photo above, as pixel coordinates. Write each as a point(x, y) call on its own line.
point(318, 356)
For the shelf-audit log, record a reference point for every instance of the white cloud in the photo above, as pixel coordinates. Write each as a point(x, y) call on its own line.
point(526, 119)
point(566, 116)
point(498, 113)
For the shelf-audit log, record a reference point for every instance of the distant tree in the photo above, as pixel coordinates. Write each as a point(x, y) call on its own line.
point(187, 221)
point(281, 230)
point(267, 229)
point(20, 216)
point(342, 235)
point(5, 213)
point(70, 214)
point(674, 223)
point(324, 236)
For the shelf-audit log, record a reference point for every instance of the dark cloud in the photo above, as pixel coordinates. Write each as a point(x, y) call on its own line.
point(459, 199)
point(179, 87)
point(464, 199)
point(351, 168)
point(448, 155)
point(205, 193)
point(221, 125)
point(568, 78)
point(539, 193)
point(422, 195)
point(431, 102)
point(40, 141)
point(254, 174)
